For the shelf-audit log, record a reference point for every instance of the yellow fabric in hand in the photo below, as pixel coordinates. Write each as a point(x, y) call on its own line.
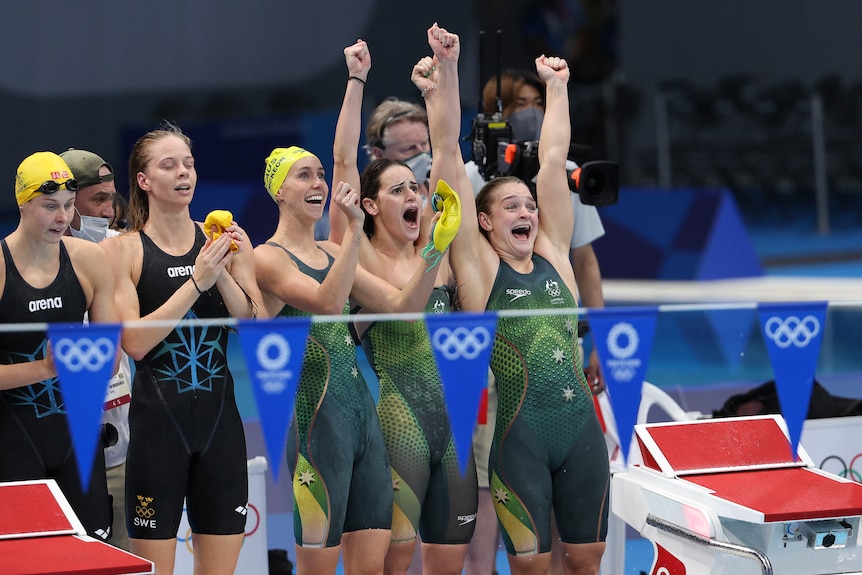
point(447, 226)
point(220, 219)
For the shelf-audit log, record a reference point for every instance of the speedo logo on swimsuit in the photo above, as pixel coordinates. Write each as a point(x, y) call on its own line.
point(45, 303)
point(145, 513)
point(180, 271)
point(465, 519)
point(517, 293)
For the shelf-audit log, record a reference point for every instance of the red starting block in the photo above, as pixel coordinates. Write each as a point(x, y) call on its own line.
point(727, 496)
point(41, 535)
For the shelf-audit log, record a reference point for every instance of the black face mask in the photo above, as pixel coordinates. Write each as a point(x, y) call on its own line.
point(526, 124)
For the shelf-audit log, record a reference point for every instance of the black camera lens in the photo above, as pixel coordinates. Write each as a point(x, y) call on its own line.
point(598, 183)
point(109, 435)
point(595, 183)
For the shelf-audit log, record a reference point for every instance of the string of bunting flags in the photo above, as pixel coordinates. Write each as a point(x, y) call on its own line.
point(274, 350)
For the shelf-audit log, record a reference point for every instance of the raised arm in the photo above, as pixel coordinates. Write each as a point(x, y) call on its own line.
point(443, 103)
point(348, 129)
point(556, 219)
point(437, 78)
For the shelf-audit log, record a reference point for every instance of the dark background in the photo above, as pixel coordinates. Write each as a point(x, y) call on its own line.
point(737, 78)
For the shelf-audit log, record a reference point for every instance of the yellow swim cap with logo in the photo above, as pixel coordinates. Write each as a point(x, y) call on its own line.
point(278, 164)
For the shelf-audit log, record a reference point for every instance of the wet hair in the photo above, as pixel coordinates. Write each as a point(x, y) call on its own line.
point(511, 82)
point(369, 186)
point(388, 112)
point(484, 199)
point(139, 203)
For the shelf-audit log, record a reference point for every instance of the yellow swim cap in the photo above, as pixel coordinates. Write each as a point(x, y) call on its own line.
point(278, 164)
point(35, 170)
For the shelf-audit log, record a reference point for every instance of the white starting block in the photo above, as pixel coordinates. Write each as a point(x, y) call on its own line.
point(40, 535)
point(726, 496)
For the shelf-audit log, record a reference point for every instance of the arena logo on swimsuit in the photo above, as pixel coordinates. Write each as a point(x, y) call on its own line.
point(45, 303)
point(180, 271)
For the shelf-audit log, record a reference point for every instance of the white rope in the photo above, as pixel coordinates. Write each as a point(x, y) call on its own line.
point(378, 317)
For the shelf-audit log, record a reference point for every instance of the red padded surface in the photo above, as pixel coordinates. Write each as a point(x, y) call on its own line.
point(31, 508)
point(787, 494)
point(67, 555)
point(720, 444)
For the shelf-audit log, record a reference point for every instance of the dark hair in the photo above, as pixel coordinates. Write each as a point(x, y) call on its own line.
point(483, 198)
point(139, 203)
point(369, 186)
point(510, 85)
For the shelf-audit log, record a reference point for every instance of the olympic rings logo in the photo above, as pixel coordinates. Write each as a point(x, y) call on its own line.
point(273, 341)
point(846, 471)
point(461, 342)
point(792, 330)
point(84, 353)
point(630, 333)
point(145, 512)
point(552, 288)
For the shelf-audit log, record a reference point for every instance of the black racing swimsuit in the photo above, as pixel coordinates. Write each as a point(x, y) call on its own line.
point(34, 436)
point(187, 437)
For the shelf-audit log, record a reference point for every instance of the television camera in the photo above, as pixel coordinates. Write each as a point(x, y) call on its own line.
point(497, 153)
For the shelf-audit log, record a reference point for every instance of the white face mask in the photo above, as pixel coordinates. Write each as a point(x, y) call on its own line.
point(92, 228)
point(420, 164)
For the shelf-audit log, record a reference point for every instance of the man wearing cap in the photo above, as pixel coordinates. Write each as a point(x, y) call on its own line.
point(93, 213)
point(48, 278)
point(94, 205)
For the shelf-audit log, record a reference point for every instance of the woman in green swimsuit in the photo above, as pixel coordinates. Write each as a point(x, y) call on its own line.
point(512, 252)
point(432, 498)
point(336, 454)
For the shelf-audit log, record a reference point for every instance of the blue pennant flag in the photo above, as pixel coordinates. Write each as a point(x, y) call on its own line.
point(84, 355)
point(462, 344)
point(623, 338)
point(274, 351)
point(793, 332)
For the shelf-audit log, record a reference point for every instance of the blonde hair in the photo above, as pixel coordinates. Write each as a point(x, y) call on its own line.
point(391, 111)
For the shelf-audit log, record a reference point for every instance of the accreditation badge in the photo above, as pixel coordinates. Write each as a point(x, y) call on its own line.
point(119, 392)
